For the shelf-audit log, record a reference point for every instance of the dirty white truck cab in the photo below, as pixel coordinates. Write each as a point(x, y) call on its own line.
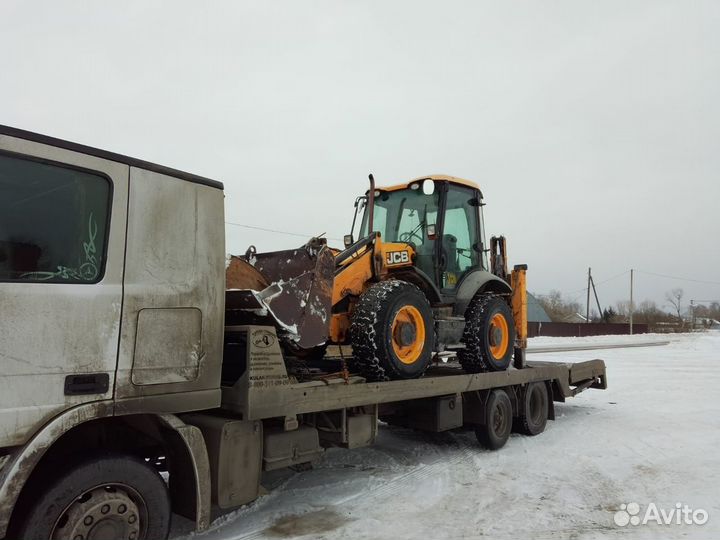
point(112, 294)
point(125, 398)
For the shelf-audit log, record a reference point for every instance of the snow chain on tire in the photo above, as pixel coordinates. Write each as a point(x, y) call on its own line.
point(368, 323)
point(475, 356)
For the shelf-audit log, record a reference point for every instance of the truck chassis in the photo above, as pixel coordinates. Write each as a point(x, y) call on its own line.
point(272, 417)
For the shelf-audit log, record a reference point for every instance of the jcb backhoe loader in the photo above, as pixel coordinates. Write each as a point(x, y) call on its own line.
point(414, 287)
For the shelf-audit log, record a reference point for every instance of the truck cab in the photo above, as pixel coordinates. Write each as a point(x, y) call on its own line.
point(111, 287)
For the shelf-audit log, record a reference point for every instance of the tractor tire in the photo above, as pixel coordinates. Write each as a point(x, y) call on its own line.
point(498, 421)
point(391, 332)
point(489, 335)
point(534, 409)
point(107, 497)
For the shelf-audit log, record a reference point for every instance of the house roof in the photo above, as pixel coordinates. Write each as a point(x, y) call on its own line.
point(536, 313)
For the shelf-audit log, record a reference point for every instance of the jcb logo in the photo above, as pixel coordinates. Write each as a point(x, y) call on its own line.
point(397, 257)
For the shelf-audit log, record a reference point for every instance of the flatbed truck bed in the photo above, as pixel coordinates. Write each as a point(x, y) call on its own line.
point(274, 418)
point(266, 390)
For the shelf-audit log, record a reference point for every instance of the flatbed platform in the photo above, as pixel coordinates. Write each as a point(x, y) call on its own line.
point(265, 390)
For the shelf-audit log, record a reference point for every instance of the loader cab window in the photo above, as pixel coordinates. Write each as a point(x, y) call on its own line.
point(53, 222)
point(403, 216)
point(461, 236)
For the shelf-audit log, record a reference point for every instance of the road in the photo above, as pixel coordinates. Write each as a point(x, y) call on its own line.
point(652, 437)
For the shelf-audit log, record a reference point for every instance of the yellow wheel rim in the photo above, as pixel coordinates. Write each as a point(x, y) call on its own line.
point(408, 334)
point(499, 327)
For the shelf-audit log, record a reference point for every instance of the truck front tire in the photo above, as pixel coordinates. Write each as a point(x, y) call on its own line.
point(107, 497)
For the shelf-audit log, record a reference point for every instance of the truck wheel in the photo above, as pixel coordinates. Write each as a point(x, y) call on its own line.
point(535, 409)
point(489, 335)
point(391, 332)
point(498, 421)
point(108, 497)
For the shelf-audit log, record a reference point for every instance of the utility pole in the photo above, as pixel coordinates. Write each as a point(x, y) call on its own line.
point(600, 311)
point(587, 303)
point(631, 300)
point(692, 315)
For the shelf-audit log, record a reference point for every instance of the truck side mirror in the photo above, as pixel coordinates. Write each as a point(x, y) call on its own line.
point(348, 240)
point(431, 232)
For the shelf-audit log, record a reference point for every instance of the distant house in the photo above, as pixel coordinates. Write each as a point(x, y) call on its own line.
point(574, 318)
point(705, 322)
point(536, 313)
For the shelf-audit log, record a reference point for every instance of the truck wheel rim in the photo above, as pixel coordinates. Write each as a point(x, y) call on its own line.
point(499, 336)
point(105, 512)
point(499, 420)
point(408, 334)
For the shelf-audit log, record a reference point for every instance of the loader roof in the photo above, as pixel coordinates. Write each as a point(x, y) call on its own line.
point(441, 177)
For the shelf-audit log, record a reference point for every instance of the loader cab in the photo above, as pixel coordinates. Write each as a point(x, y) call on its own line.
point(441, 218)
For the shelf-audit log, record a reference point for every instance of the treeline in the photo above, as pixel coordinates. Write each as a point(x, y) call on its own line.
point(710, 311)
point(560, 309)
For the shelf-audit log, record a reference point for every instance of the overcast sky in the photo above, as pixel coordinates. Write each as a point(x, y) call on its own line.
point(592, 127)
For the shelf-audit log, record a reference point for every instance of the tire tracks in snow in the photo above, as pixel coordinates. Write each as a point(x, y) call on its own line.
point(465, 452)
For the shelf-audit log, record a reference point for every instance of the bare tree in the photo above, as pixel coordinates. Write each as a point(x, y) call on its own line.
point(622, 309)
point(558, 308)
point(647, 312)
point(675, 299)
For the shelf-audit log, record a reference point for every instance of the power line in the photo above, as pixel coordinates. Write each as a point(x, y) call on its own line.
point(679, 278)
point(256, 228)
point(578, 292)
point(574, 295)
point(614, 277)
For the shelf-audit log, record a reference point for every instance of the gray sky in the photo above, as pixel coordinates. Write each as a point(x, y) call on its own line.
point(592, 127)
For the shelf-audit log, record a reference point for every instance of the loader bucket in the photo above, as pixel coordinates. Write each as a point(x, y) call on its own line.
point(293, 288)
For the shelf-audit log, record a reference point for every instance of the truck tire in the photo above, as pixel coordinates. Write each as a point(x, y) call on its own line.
point(533, 418)
point(498, 421)
point(391, 332)
point(107, 497)
point(489, 335)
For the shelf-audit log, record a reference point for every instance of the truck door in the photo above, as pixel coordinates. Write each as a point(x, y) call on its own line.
point(171, 341)
point(62, 241)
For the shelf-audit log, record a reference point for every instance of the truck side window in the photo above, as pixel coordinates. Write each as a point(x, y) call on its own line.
point(53, 222)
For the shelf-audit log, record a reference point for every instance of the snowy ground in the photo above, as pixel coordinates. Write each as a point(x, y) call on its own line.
point(652, 437)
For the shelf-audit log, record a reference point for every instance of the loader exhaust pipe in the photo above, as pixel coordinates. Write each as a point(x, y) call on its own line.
point(371, 204)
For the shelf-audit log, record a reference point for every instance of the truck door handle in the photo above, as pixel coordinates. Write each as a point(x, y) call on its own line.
point(87, 384)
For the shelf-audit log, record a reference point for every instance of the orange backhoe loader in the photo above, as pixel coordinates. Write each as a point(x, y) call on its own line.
point(415, 287)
